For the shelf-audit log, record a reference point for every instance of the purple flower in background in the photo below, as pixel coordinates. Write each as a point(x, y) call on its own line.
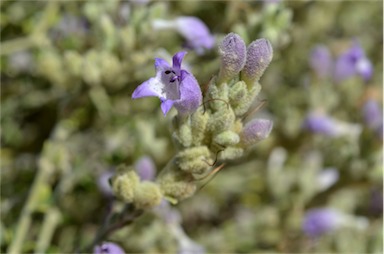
point(167, 213)
point(376, 201)
point(320, 221)
point(70, 25)
point(321, 61)
point(256, 130)
point(173, 85)
point(145, 168)
point(172, 218)
point(317, 122)
point(103, 183)
point(372, 113)
point(353, 62)
point(108, 248)
point(320, 123)
point(271, 2)
point(327, 177)
point(196, 33)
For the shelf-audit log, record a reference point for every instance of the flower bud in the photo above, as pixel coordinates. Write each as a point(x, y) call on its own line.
point(183, 135)
point(233, 56)
point(194, 160)
point(231, 153)
point(198, 127)
point(146, 168)
point(227, 138)
point(147, 195)
point(124, 184)
point(176, 184)
point(259, 55)
point(221, 120)
point(255, 131)
point(241, 98)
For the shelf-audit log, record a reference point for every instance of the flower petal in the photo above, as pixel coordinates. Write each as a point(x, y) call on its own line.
point(166, 105)
point(190, 94)
point(177, 59)
point(151, 87)
point(161, 64)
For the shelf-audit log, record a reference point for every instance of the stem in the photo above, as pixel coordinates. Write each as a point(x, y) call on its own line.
point(52, 219)
point(124, 218)
point(25, 219)
point(12, 46)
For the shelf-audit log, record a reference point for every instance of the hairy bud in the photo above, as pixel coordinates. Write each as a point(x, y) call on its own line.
point(259, 55)
point(233, 55)
point(255, 131)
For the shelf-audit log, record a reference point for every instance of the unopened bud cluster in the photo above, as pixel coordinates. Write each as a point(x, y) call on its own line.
point(128, 187)
point(216, 131)
point(210, 133)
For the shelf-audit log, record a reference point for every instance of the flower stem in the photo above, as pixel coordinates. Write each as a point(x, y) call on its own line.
point(124, 218)
point(52, 219)
point(23, 225)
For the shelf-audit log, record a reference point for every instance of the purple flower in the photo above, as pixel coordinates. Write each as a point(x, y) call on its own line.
point(108, 248)
point(320, 221)
point(327, 177)
point(103, 183)
point(353, 62)
point(233, 56)
point(321, 61)
point(320, 123)
point(196, 33)
point(255, 131)
point(173, 85)
point(372, 112)
point(259, 55)
point(146, 169)
point(166, 212)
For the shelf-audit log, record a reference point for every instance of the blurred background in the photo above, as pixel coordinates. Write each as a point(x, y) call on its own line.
point(68, 70)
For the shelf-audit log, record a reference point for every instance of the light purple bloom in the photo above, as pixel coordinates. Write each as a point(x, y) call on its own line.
point(145, 168)
point(321, 61)
point(320, 123)
point(372, 112)
point(320, 221)
point(196, 33)
point(266, 2)
point(70, 25)
point(327, 177)
point(21, 61)
point(103, 183)
point(353, 62)
point(108, 248)
point(173, 85)
point(317, 122)
point(169, 214)
point(255, 131)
